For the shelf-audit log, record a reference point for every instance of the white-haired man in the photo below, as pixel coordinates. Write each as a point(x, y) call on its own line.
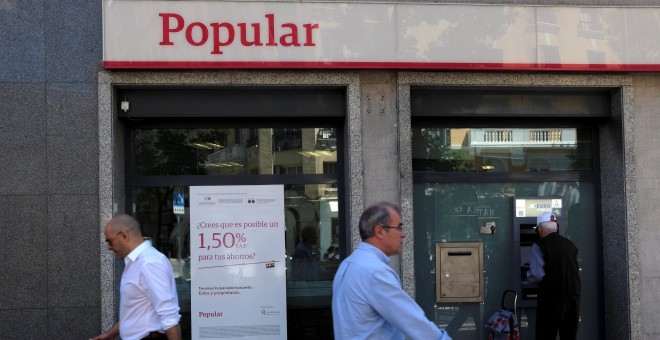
point(553, 265)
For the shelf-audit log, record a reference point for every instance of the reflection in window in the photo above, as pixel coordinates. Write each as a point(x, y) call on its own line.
point(501, 149)
point(287, 139)
point(265, 151)
point(311, 238)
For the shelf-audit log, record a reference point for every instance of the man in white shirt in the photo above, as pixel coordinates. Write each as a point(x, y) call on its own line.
point(149, 307)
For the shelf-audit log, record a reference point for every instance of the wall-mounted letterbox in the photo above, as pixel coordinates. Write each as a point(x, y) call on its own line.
point(459, 271)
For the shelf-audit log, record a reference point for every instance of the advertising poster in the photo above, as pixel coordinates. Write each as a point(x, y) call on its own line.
point(237, 252)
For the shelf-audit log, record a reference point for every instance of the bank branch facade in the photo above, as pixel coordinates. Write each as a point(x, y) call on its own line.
point(214, 121)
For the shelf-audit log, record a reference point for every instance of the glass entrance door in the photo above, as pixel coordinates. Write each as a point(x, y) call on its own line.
point(465, 180)
point(164, 162)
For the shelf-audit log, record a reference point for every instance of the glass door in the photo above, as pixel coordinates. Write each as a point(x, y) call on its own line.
point(164, 161)
point(465, 180)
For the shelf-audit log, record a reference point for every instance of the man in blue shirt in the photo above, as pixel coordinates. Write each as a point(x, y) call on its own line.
point(367, 299)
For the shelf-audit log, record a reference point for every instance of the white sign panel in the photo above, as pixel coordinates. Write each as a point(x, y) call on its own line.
point(533, 207)
point(237, 253)
point(247, 34)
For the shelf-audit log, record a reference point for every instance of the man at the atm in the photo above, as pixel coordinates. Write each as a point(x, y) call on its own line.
point(554, 266)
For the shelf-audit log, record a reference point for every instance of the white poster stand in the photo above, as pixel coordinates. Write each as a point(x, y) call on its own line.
point(237, 252)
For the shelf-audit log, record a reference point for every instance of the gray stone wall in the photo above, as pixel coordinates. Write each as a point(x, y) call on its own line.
point(380, 156)
point(50, 52)
point(647, 138)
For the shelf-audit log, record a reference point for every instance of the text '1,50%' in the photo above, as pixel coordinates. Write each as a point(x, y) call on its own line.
point(227, 240)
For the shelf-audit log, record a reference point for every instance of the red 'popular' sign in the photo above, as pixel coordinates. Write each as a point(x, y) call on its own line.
point(388, 35)
point(223, 34)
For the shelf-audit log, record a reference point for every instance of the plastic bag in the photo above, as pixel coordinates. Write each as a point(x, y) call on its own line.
point(503, 324)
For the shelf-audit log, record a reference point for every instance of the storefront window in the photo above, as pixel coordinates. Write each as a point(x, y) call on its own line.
point(303, 160)
point(440, 215)
point(236, 151)
point(451, 206)
point(501, 149)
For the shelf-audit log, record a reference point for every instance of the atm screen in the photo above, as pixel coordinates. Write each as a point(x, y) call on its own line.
point(528, 236)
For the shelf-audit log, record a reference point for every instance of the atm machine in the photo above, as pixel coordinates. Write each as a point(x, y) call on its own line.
point(525, 211)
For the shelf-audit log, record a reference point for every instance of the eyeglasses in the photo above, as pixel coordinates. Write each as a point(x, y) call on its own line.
point(110, 240)
point(399, 227)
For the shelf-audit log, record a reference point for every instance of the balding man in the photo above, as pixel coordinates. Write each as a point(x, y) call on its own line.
point(367, 299)
point(149, 307)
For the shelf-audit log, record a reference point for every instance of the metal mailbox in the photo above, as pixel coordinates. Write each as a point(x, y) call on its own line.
point(459, 271)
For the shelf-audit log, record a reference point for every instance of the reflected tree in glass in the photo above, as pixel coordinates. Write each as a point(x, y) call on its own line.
point(170, 152)
point(432, 152)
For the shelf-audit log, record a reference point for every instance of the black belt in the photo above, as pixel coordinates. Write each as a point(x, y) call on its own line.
point(155, 335)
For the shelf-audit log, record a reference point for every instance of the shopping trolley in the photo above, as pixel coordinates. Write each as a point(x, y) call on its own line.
point(503, 324)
